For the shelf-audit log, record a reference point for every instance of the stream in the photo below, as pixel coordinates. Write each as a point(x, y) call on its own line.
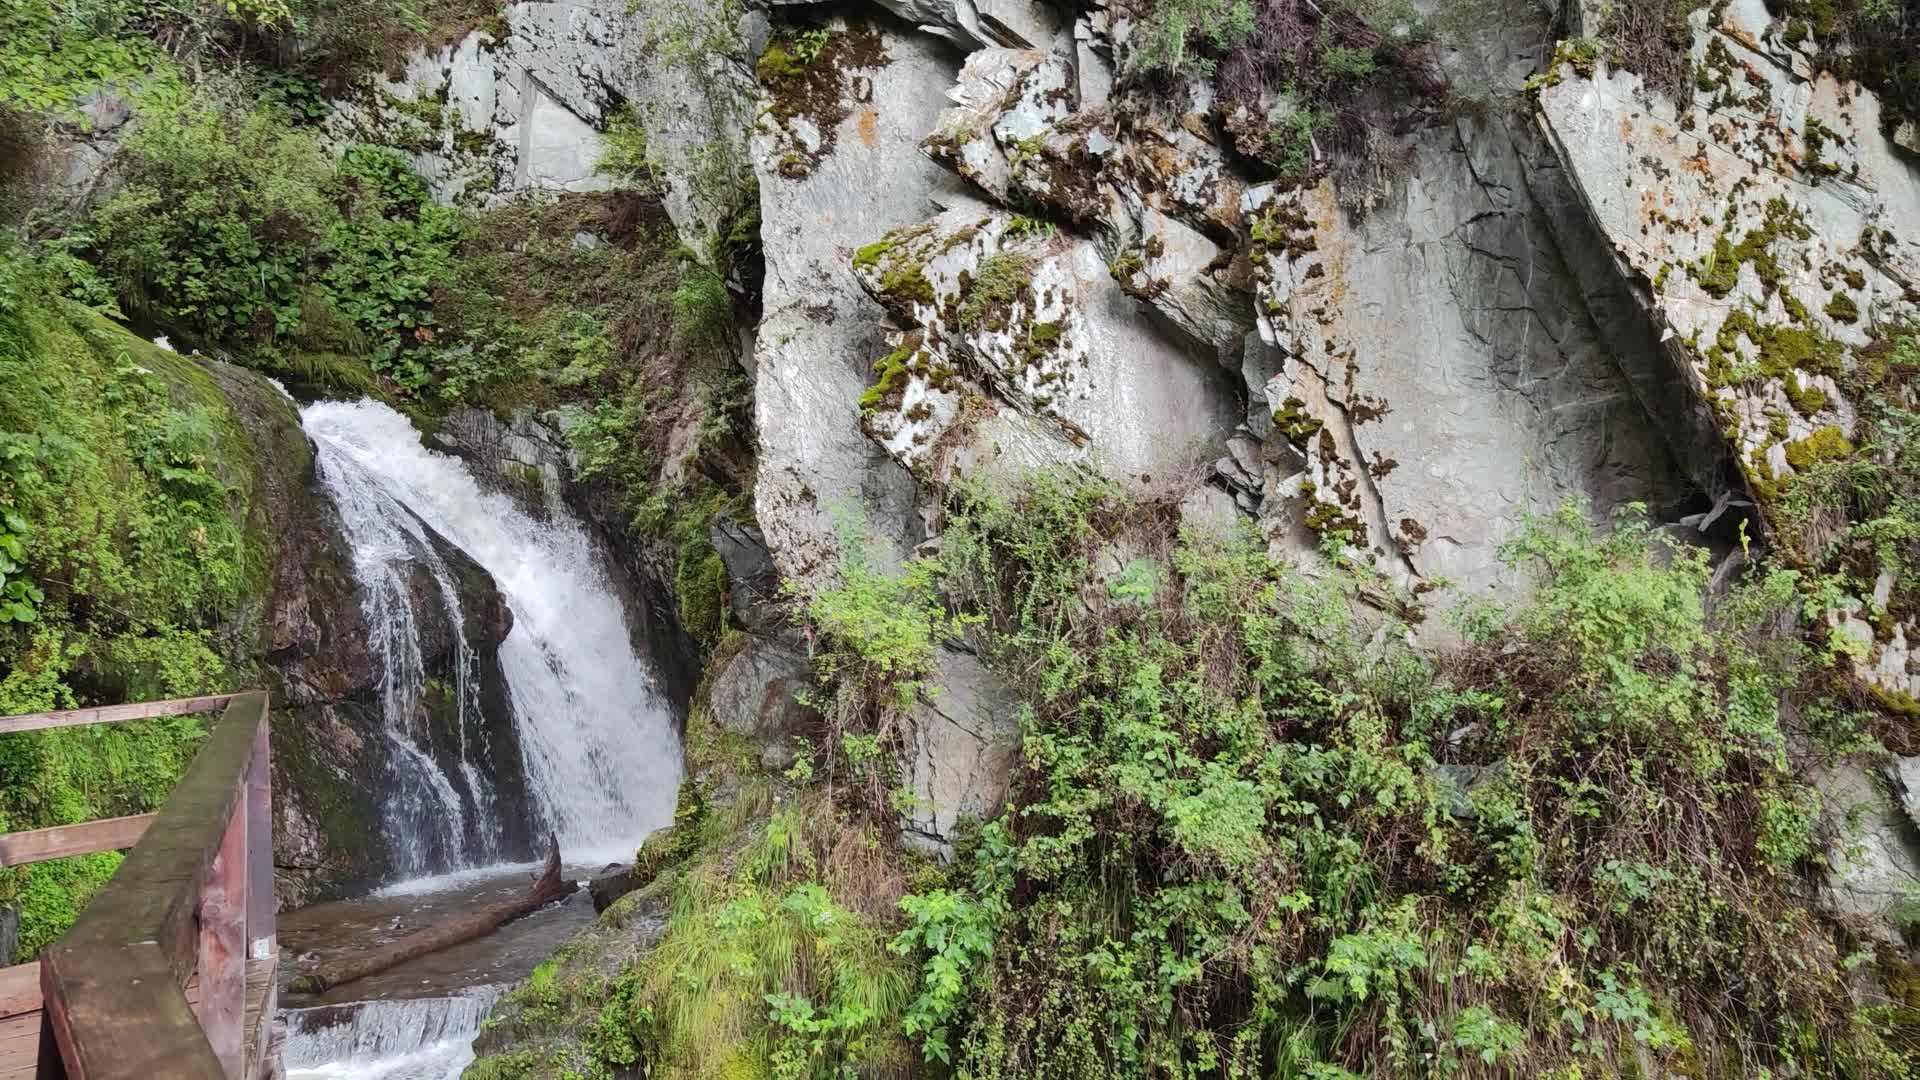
point(601, 751)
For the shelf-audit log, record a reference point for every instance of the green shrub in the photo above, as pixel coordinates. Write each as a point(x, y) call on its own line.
point(212, 230)
point(1251, 838)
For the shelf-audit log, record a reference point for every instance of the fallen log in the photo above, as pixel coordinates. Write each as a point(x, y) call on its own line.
point(547, 888)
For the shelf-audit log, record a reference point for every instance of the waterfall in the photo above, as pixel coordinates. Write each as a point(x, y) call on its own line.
point(601, 754)
point(408, 1039)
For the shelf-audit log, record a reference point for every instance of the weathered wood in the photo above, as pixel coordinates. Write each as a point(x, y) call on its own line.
point(547, 888)
point(113, 985)
point(112, 714)
point(19, 990)
point(118, 1014)
point(155, 895)
point(60, 841)
point(223, 947)
point(261, 936)
point(262, 1002)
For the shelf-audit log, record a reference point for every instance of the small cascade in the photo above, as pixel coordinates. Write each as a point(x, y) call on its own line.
point(601, 753)
point(407, 1039)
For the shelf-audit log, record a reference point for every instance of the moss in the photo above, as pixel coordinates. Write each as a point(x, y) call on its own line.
point(1719, 271)
point(1825, 444)
point(1807, 399)
point(891, 370)
point(1842, 309)
point(1817, 135)
point(699, 587)
point(870, 255)
point(907, 283)
point(1000, 281)
point(1295, 423)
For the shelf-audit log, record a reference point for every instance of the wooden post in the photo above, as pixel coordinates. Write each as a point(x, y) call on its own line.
point(223, 946)
point(262, 940)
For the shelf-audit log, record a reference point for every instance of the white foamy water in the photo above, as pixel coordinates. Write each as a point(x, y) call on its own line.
point(412, 1039)
point(602, 758)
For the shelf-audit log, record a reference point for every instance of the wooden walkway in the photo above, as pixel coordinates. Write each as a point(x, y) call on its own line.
point(169, 972)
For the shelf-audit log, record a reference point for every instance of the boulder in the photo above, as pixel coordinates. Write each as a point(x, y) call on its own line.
point(757, 693)
point(1874, 852)
point(963, 744)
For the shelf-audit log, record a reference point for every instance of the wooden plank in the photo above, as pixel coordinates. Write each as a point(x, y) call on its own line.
point(223, 947)
point(60, 841)
point(20, 1044)
point(262, 939)
point(263, 997)
point(117, 1013)
point(113, 714)
point(19, 990)
point(155, 895)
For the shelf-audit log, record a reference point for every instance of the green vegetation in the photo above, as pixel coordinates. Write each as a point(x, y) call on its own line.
point(126, 492)
point(1248, 841)
point(1299, 72)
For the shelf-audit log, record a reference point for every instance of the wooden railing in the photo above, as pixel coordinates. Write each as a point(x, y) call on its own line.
point(167, 974)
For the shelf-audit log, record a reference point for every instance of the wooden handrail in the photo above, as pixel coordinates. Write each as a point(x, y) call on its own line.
point(113, 714)
point(185, 900)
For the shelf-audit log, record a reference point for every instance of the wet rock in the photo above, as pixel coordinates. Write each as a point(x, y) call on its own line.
point(753, 583)
point(611, 886)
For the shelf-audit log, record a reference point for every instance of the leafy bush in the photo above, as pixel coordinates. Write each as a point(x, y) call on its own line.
point(133, 484)
point(212, 230)
point(1255, 838)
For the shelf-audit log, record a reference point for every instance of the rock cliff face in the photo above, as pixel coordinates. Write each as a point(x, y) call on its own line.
point(988, 251)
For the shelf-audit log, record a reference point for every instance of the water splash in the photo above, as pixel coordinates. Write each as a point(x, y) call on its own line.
point(408, 1039)
point(602, 757)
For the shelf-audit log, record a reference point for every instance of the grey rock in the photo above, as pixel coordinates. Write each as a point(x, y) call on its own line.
point(1874, 854)
point(525, 114)
point(756, 692)
point(1453, 376)
point(105, 110)
point(820, 333)
point(753, 582)
point(1764, 153)
point(1061, 353)
point(1208, 509)
point(963, 743)
point(970, 23)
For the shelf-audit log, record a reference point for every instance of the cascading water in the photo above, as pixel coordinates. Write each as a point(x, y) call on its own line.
point(601, 753)
point(426, 816)
point(413, 1039)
